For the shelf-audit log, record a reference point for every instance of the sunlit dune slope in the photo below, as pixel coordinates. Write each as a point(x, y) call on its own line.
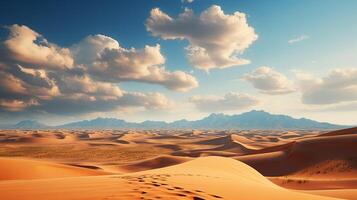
point(37, 137)
point(16, 168)
point(202, 178)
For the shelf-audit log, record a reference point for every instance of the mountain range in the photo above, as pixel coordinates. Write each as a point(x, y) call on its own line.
point(248, 120)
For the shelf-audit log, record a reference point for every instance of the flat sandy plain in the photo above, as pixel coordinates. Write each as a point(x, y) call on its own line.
point(177, 164)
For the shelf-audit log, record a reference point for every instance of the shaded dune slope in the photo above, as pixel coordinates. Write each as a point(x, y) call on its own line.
point(221, 146)
point(154, 163)
point(295, 156)
point(341, 132)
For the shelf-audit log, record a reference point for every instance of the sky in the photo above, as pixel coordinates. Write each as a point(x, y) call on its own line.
point(63, 61)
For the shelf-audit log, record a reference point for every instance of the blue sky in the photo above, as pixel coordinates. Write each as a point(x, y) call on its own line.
point(327, 25)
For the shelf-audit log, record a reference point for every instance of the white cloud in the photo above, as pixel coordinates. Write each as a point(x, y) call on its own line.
point(79, 103)
point(340, 85)
point(16, 105)
point(70, 85)
point(38, 76)
point(88, 50)
point(268, 81)
point(19, 82)
point(298, 39)
point(107, 61)
point(230, 101)
point(29, 48)
point(216, 39)
point(150, 101)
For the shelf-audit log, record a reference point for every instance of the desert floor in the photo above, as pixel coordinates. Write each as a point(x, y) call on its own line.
point(178, 164)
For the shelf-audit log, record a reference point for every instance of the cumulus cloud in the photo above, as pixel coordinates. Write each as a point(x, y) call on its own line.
point(38, 76)
point(84, 85)
point(89, 49)
point(29, 48)
point(216, 39)
point(298, 39)
point(230, 101)
point(80, 103)
point(150, 101)
point(42, 91)
point(18, 82)
point(78, 95)
point(108, 61)
point(268, 81)
point(16, 105)
point(339, 86)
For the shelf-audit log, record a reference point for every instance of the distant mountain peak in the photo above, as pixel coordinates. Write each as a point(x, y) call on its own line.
point(256, 112)
point(105, 118)
point(254, 119)
point(25, 122)
point(29, 124)
point(216, 115)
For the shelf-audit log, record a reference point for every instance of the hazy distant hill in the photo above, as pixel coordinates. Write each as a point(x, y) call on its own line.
point(104, 123)
point(249, 120)
point(260, 120)
point(28, 124)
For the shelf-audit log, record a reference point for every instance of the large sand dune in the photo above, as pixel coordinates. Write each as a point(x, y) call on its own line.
point(15, 168)
point(301, 154)
point(177, 164)
point(202, 178)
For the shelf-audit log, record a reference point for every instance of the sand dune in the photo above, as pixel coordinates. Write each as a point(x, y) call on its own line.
point(16, 168)
point(302, 183)
point(38, 137)
point(202, 178)
point(290, 134)
point(303, 153)
point(330, 168)
point(341, 132)
point(173, 164)
point(340, 193)
point(229, 144)
point(321, 162)
point(154, 163)
point(217, 141)
point(135, 136)
point(221, 146)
